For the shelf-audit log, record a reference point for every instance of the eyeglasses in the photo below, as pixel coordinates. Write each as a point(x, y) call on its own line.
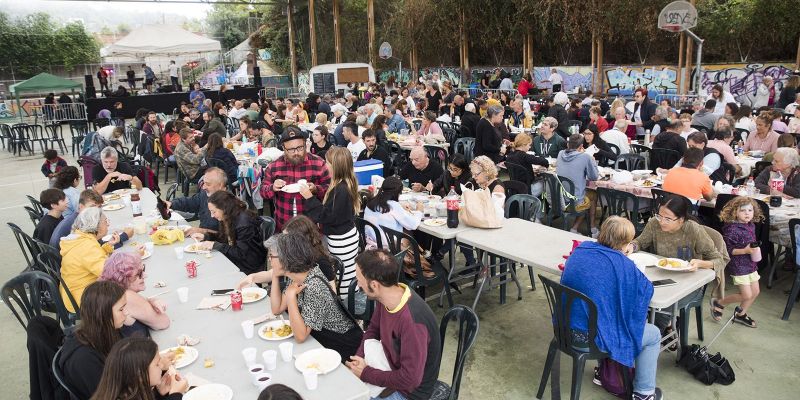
point(476, 173)
point(660, 217)
point(295, 149)
point(140, 275)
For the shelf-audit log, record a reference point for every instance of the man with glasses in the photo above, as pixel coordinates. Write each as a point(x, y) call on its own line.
point(294, 165)
point(421, 170)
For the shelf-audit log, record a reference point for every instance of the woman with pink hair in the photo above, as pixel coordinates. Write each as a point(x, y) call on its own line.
point(127, 269)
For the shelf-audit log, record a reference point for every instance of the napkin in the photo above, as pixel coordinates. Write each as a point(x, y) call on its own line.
point(214, 303)
point(375, 358)
point(195, 380)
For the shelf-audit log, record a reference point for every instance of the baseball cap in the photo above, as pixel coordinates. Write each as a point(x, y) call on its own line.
point(292, 133)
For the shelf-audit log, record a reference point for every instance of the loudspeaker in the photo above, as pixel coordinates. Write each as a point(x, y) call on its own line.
point(257, 76)
point(90, 91)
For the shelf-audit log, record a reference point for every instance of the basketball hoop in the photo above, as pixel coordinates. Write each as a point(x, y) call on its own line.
point(385, 51)
point(677, 16)
point(672, 28)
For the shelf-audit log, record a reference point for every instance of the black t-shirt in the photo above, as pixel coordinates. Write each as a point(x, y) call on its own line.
point(429, 174)
point(327, 267)
point(45, 227)
point(379, 154)
point(433, 101)
point(320, 151)
point(99, 173)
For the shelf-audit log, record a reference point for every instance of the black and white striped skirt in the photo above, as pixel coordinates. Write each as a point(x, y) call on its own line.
point(345, 248)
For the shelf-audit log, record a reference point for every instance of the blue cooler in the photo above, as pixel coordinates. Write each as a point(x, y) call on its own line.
point(365, 169)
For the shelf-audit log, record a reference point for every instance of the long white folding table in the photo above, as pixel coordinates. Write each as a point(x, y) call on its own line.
point(220, 332)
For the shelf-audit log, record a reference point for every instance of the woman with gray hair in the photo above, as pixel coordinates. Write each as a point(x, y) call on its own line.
point(559, 112)
point(82, 256)
point(488, 140)
point(785, 161)
point(313, 308)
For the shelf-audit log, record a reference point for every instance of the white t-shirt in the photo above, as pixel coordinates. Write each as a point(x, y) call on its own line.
point(411, 105)
point(555, 78)
point(237, 113)
point(173, 70)
point(617, 138)
point(356, 148)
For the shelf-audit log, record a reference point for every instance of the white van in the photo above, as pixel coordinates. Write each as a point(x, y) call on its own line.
point(329, 78)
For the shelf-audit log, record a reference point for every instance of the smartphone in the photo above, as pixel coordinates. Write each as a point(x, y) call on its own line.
point(664, 282)
point(221, 292)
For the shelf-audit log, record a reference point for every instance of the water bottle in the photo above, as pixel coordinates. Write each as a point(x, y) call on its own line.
point(647, 138)
point(452, 201)
point(294, 207)
point(751, 186)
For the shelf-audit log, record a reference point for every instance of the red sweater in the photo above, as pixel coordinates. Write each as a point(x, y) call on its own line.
point(524, 87)
point(410, 339)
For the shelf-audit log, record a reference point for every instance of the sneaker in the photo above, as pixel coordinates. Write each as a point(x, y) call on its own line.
point(653, 396)
point(596, 377)
point(745, 320)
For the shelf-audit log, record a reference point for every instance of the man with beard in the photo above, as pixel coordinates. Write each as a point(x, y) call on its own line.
point(375, 152)
point(295, 164)
point(406, 328)
point(111, 174)
point(214, 180)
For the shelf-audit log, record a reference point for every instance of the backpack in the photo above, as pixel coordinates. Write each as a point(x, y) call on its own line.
point(148, 178)
point(612, 378)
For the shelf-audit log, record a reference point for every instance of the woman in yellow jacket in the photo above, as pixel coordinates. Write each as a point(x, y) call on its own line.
point(82, 256)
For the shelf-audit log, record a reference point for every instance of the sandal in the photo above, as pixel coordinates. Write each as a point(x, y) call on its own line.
point(716, 309)
point(668, 330)
point(745, 320)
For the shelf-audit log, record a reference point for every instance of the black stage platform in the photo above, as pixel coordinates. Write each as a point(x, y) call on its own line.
point(161, 102)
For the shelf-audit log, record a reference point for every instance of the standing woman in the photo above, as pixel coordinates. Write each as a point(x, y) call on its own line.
point(136, 370)
point(336, 213)
point(239, 235)
point(68, 180)
point(433, 96)
point(103, 312)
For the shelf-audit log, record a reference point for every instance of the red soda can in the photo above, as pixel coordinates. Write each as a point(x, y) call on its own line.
point(191, 269)
point(236, 300)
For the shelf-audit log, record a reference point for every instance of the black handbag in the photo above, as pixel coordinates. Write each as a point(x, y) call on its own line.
point(706, 368)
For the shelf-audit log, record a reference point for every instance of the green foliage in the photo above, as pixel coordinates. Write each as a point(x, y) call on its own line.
point(34, 41)
point(228, 23)
point(123, 29)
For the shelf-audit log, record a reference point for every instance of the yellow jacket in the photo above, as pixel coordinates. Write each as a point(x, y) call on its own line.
point(82, 260)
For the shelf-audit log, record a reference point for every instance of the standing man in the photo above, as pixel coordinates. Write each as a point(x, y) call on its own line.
point(406, 330)
point(197, 97)
point(173, 75)
point(149, 77)
point(102, 77)
point(556, 79)
point(295, 164)
point(131, 74)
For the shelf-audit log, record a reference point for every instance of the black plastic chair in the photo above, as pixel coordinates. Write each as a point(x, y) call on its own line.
point(78, 131)
point(760, 165)
point(49, 262)
point(519, 172)
point(439, 154)
point(33, 215)
point(640, 150)
point(59, 375)
point(561, 203)
point(739, 134)
point(468, 326)
point(631, 162)
point(171, 192)
point(614, 149)
point(561, 299)
point(29, 291)
point(793, 224)
point(361, 225)
point(55, 134)
point(267, 227)
point(5, 134)
point(466, 147)
point(700, 128)
point(663, 158)
point(516, 187)
point(621, 203)
point(394, 239)
point(98, 123)
point(26, 244)
point(37, 205)
point(369, 308)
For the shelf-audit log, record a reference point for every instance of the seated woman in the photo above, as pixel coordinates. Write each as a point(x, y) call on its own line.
point(319, 142)
point(455, 177)
point(591, 137)
point(303, 226)
point(227, 161)
point(103, 312)
point(82, 256)
point(674, 233)
point(430, 131)
point(519, 156)
point(134, 365)
point(484, 176)
point(126, 269)
point(622, 294)
point(785, 161)
point(384, 210)
point(312, 305)
point(239, 235)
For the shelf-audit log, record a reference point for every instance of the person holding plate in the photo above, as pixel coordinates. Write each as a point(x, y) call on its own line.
point(675, 233)
point(127, 269)
point(314, 308)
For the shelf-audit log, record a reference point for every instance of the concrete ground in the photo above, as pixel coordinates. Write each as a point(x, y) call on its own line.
point(508, 357)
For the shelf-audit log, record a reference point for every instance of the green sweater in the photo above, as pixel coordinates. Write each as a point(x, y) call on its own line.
point(666, 244)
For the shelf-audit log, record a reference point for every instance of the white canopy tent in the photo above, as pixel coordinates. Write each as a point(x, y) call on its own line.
point(160, 40)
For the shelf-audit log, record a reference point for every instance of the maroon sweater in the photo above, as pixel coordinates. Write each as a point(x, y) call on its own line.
point(410, 339)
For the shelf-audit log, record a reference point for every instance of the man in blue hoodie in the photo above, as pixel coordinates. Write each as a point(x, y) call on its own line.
point(579, 167)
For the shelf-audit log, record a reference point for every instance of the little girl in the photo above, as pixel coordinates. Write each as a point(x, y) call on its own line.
point(739, 232)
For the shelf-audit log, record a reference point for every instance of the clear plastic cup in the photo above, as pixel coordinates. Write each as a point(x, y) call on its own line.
point(179, 253)
point(311, 377)
point(183, 294)
point(247, 328)
point(249, 355)
point(286, 351)
point(270, 359)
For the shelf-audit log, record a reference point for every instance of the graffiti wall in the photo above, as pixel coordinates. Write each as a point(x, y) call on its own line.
point(476, 73)
point(742, 80)
point(406, 76)
point(303, 82)
point(623, 80)
point(573, 77)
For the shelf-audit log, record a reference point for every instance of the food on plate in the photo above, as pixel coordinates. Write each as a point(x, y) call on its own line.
point(208, 363)
point(186, 340)
point(193, 247)
point(159, 222)
point(648, 183)
point(283, 331)
point(113, 207)
point(314, 366)
point(670, 263)
point(251, 296)
point(113, 196)
point(435, 222)
point(177, 354)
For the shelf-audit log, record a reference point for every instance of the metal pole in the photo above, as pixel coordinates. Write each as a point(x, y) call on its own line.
point(400, 71)
point(698, 67)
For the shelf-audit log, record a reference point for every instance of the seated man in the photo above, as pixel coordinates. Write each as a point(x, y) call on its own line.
point(88, 198)
point(111, 175)
point(547, 144)
point(214, 180)
point(421, 170)
point(616, 136)
point(354, 143)
point(55, 201)
point(189, 155)
point(375, 152)
point(706, 117)
point(712, 159)
point(688, 180)
point(406, 328)
point(579, 167)
point(212, 125)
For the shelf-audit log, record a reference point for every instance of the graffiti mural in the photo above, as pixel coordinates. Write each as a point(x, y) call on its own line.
point(384, 75)
point(623, 80)
point(303, 83)
point(573, 77)
point(742, 80)
point(452, 74)
point(476, 73)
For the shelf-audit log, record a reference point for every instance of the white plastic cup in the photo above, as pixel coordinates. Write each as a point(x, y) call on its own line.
point(255, 371)
point(262, 380)
point(249, 355)
point(248, 328)
point(149, 247)
point(286, 351)
point(183, 294)
point(311, 377)
point(179, 253)
point(270, 359)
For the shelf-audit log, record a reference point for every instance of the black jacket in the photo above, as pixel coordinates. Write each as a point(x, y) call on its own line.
point(469, 123)
point(527, 161)
point(381, 154)
point(44, 338)
point(248, 251)
point(441, 186)
point(487, 140)
point(81, 366)
point(648, 109)
point(336, 215)
point(558, 112)
point(198, 205)
point(229, 163)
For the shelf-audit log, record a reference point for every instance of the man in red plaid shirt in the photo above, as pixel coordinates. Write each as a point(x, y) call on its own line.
point(294, 165)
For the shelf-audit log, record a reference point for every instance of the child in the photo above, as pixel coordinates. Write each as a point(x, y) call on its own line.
point(739, 232)
point(55, 201)
point(52, 164)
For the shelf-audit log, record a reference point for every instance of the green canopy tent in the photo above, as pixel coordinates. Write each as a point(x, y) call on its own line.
point(43, 82)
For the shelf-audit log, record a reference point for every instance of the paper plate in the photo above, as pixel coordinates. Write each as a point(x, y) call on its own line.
point(193, 248)
point(113, 207)
point(253, 294)
point(321, 360)
point(262, 331)
point(181, 360)
point(643, 260)
point(291, 188)
point(121, 191)
point(146, 255)
point(673, 264)
point(211, 391)
point(435, 222)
